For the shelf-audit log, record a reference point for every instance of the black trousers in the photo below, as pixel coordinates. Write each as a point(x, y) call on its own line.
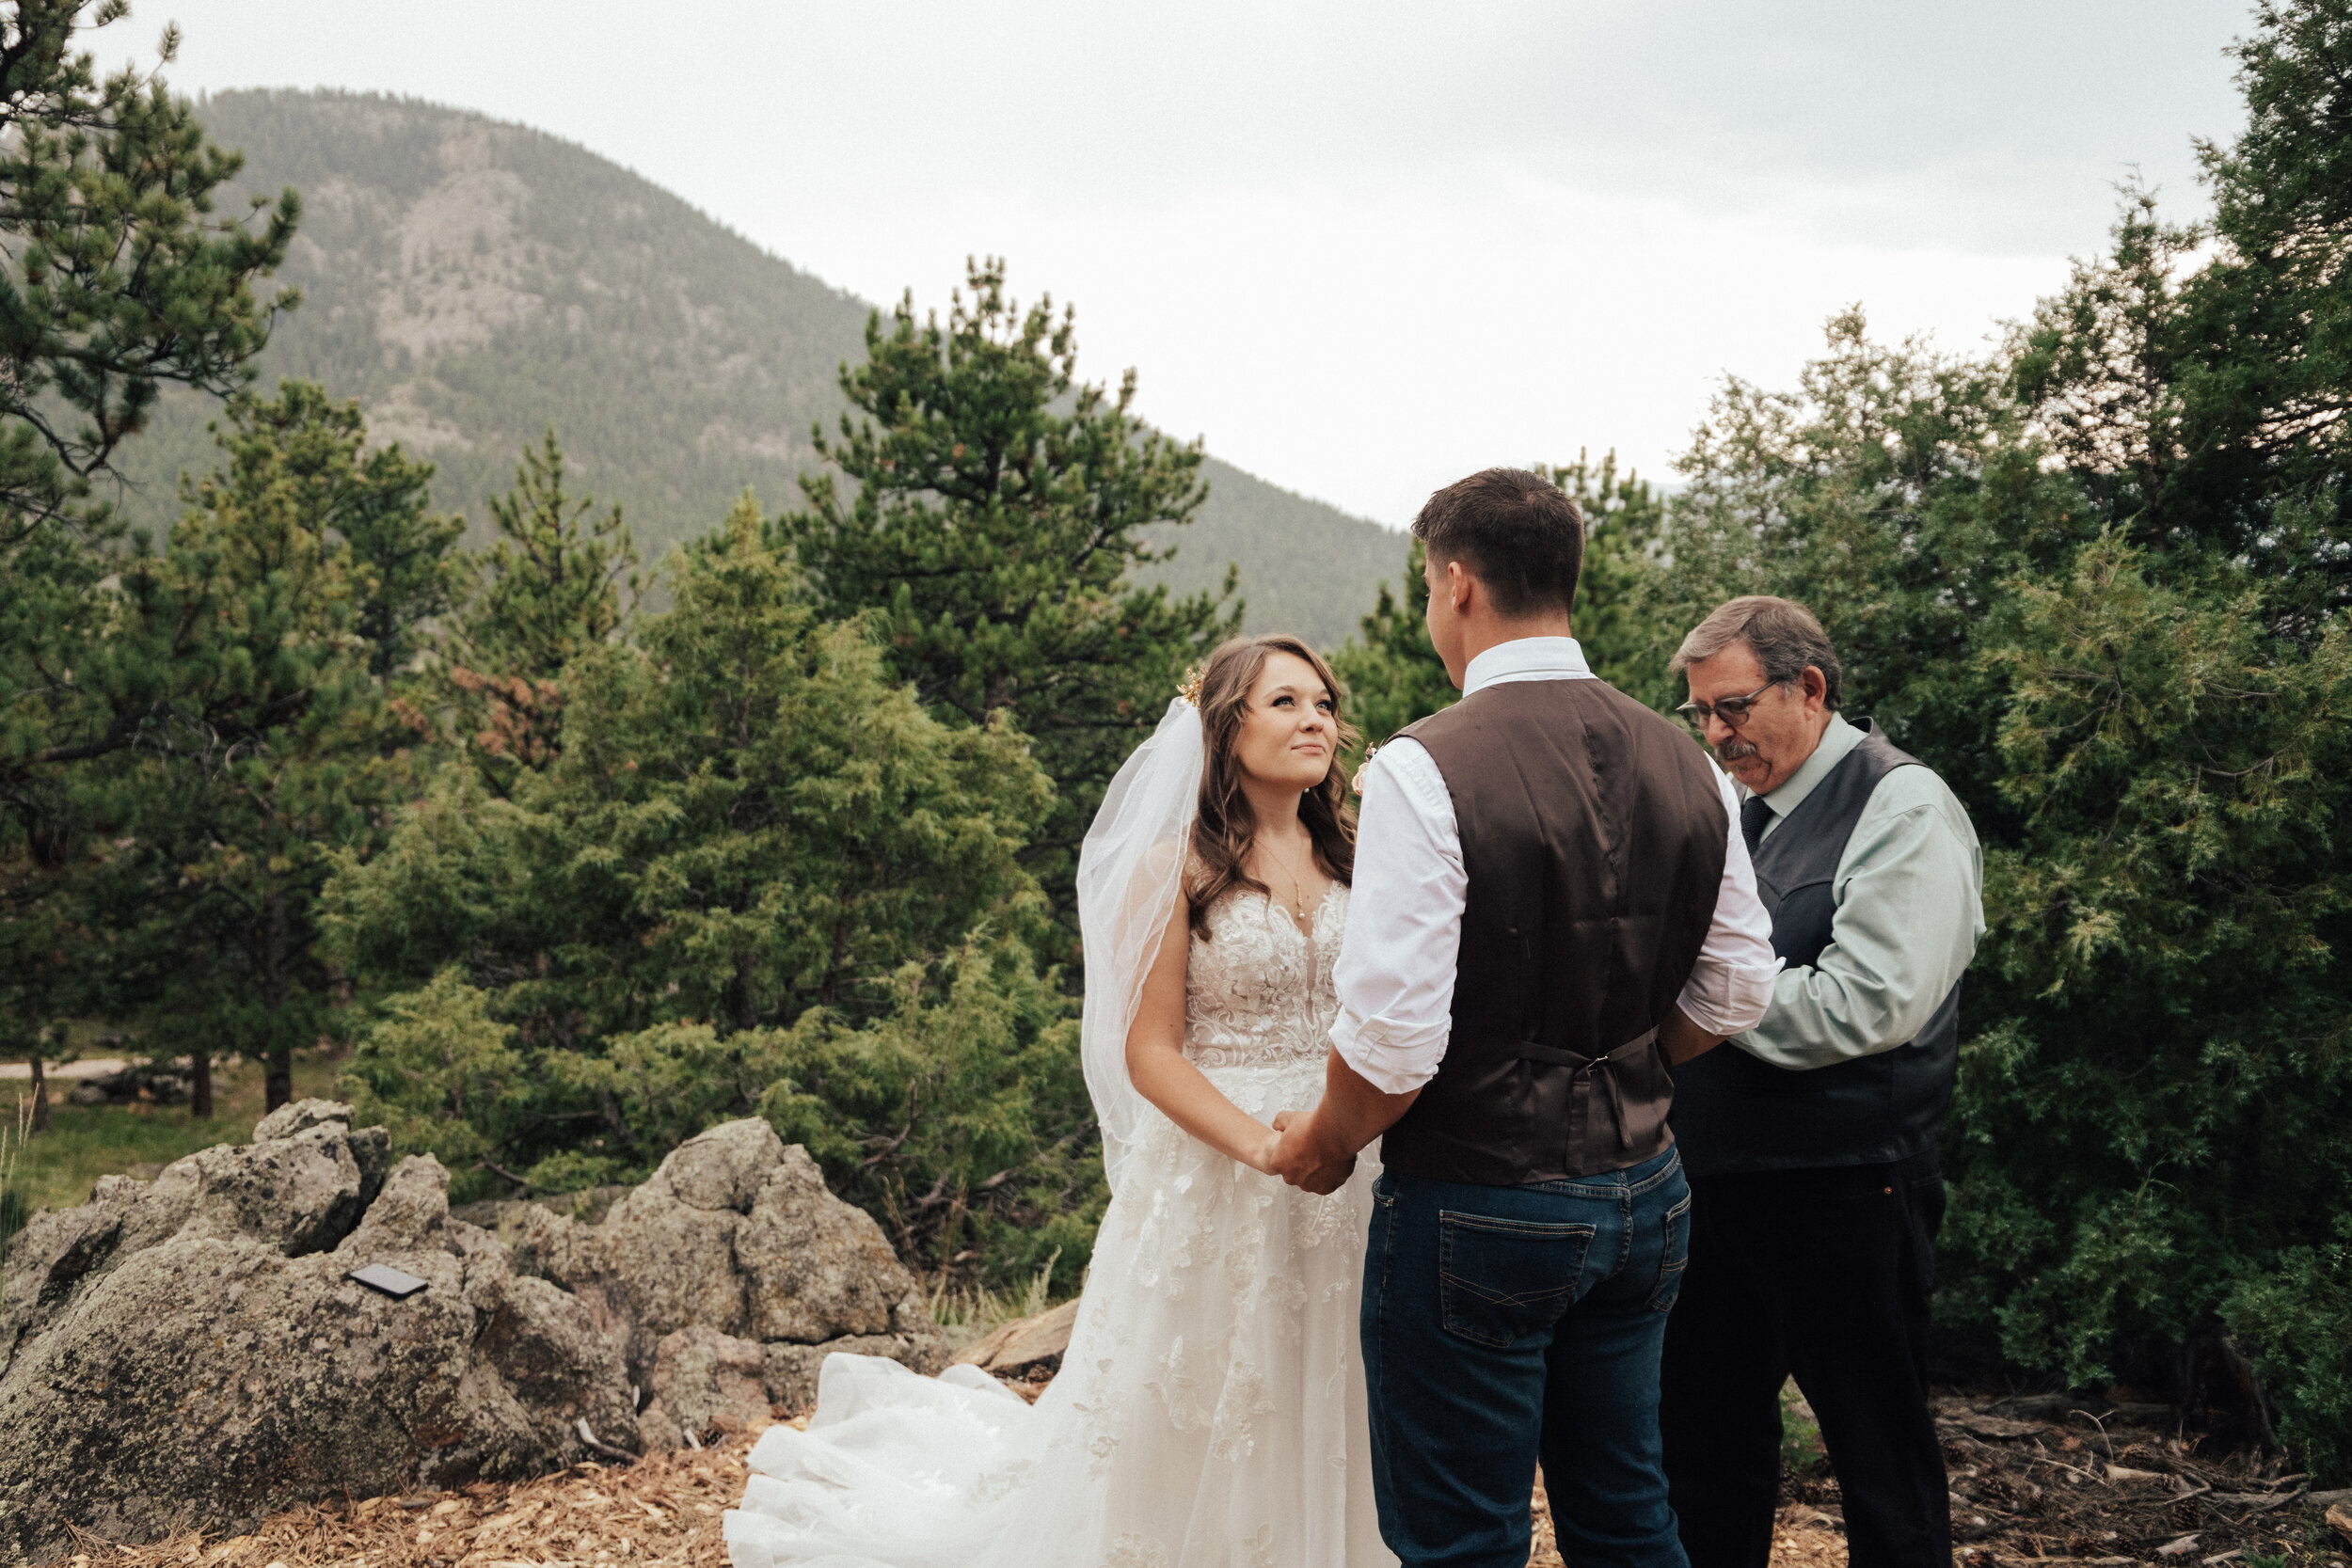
point(1823, 1274)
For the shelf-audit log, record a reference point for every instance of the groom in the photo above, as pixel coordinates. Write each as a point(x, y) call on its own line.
point(1551, 903)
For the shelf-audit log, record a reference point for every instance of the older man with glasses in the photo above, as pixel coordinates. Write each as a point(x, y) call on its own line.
point(1811, 1140)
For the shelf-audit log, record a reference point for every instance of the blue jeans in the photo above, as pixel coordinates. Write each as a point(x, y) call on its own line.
point(1504, 1324)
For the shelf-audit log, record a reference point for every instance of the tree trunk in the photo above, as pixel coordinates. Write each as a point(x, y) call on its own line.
point(277, 1079)
point(200, 1085)
point(41, 1095)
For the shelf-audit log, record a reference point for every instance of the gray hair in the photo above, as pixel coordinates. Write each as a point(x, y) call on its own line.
point(1782, 634)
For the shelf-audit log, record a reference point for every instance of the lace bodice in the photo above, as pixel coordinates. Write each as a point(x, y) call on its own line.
point(1257, 990)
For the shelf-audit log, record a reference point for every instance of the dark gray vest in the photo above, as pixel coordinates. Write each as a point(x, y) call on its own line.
point(1733, 1112)
point(1592, 836)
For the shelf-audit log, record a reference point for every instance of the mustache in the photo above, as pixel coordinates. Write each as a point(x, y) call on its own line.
point(1735, 750)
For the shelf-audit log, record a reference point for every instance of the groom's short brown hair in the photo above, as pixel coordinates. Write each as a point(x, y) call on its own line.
point(1515, 532)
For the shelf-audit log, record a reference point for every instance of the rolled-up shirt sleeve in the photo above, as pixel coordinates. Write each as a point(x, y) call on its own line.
point(1395, 972)
point(1731, 986)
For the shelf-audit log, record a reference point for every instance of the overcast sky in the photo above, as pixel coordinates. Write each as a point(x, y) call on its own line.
point(1367, 248)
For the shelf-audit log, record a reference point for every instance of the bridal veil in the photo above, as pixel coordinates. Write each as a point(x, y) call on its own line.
point(1130, 869)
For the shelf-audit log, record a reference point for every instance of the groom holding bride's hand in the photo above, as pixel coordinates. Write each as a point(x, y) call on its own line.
point(1553, 903)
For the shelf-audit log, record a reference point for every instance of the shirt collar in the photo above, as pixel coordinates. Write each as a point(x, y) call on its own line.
point(1526, 658)
point(1836, 741)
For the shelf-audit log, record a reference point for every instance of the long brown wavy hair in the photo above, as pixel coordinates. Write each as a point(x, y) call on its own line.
point(1227, 825)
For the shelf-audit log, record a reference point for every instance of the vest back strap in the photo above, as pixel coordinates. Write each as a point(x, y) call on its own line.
point(1591, 1067)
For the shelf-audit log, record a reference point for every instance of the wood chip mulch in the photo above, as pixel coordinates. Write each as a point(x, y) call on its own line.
point(2051, 1490)
point(2045, 1484)
point(659, 1513)
point(1802, 1538)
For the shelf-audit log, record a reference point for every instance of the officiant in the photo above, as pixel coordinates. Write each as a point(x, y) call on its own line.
point(1811, 1140)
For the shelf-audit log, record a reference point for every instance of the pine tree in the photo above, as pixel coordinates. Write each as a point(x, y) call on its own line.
point(750, 829)
point(121, 281)
point(2266, 337)
point(43, 956)
point(1624, 518)
point(1393, 675)
point(2152, 1140)
point(994, 507)
point(561, 581)
point(275, 740)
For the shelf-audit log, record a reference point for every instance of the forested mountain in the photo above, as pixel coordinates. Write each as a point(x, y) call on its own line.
point(473, 282)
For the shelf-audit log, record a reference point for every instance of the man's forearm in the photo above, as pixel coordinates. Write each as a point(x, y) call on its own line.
point(1352, 1112)
point(1682, 1039)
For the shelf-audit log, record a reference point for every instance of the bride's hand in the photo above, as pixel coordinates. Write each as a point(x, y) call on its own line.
point(1318, 1180)
point(1262, 1155)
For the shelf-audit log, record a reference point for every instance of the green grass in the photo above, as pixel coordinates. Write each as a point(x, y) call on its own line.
point(966, 1316)
point(54, 1169)
point(1800, 1434)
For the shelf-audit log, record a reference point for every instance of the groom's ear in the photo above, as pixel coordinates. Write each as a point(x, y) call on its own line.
point(1441, 579)
point(1463, 589)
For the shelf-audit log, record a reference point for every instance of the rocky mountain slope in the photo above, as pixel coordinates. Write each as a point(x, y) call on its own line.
point(473, 282)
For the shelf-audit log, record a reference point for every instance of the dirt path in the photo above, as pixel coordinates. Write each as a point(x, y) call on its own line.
point(88, 1067)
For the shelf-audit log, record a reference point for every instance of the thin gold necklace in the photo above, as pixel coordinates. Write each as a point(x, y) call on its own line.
point(1298, 885)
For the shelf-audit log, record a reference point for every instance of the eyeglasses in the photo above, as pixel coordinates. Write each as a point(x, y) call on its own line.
point(1733, 711)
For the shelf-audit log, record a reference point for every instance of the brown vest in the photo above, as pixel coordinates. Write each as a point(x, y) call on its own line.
point(1592, 836)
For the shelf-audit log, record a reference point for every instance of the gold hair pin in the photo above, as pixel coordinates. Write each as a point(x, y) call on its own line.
point(1190, 688)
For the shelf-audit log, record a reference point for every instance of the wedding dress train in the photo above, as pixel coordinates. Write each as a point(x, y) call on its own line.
point(1209, 1410)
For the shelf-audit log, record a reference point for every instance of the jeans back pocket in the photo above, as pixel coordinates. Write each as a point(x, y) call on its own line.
point(1500, 1281)
point(1675, 1259)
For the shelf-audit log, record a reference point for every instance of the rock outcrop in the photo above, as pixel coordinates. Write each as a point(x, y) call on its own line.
point(735, 1234)
point(191, 1351)
point(704, 1381)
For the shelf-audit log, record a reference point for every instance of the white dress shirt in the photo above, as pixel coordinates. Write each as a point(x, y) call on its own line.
point(1910, 892)
point(1395, 970)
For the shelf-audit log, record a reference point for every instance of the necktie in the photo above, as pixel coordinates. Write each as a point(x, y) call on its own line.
point(1754, 814)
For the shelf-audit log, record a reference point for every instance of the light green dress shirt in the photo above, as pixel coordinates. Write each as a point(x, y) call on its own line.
point(1910, 895)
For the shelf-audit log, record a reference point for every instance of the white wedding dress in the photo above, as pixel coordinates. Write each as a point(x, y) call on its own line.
point(1209, 1410)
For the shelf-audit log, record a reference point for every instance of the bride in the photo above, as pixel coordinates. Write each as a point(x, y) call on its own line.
point(1210, 1409)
